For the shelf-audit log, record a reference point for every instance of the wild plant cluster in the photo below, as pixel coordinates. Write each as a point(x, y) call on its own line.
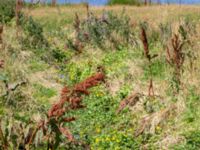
point(7, 10)
point(48, 132)
point(33, 31)
point(176, 52)
point(125, 2)
point(109, 31)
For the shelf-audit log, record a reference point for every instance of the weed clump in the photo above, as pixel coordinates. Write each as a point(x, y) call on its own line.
point(52, 127)
point(34, 37)
point(7, 10)
point(124, 2)
point(108, 31)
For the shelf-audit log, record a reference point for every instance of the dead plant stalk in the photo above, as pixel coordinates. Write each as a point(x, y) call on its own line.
point(175, 57)
point(149, 58)
point(18, 8)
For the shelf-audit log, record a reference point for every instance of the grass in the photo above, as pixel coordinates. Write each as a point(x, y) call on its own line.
point(37, 65)
point(42, 94)
point(126, 71)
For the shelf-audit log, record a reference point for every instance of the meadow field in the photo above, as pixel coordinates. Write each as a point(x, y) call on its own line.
point(100, 78)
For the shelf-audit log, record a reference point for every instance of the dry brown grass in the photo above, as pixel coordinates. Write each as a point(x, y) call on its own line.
point(154, 14)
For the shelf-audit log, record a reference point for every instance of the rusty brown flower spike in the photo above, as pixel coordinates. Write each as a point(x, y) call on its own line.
point(1, 63)
point(148, 56)
point(175, 55)
point(145, 43)
point(71, 98)
point(178, 57)
point(18, 8)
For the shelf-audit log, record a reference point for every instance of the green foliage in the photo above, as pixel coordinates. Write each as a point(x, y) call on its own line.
point(192, 103)
point(42, 94)
point(7, 10)
point(154, 37)
point(59, 55)
point(108, 31)
point(93, 126)
point(192, 141)
point(33, 30)
point(157, 70)
point(115, 140)
point(73, 73)
point(124, 2)
point(36, 65)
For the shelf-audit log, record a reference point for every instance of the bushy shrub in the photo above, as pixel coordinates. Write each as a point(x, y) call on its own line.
point(33, 30)
point(106, 32)
point(7, 10)
point(123, 2)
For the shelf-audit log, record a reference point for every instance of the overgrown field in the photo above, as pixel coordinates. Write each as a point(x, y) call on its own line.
point(100, 78)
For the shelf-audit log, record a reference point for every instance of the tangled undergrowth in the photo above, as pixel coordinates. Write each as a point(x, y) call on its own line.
point(108, 31)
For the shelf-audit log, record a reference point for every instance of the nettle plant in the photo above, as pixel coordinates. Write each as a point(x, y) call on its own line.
point(50, 132)
point(107, 31)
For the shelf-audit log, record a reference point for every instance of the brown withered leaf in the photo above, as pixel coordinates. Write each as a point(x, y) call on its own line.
point(130, 100)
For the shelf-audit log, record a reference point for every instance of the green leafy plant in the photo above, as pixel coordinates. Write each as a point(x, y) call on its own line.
point(115, 140)
point(192, 141)
point(192, 103)
point(7, 10)
point(33, 30)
